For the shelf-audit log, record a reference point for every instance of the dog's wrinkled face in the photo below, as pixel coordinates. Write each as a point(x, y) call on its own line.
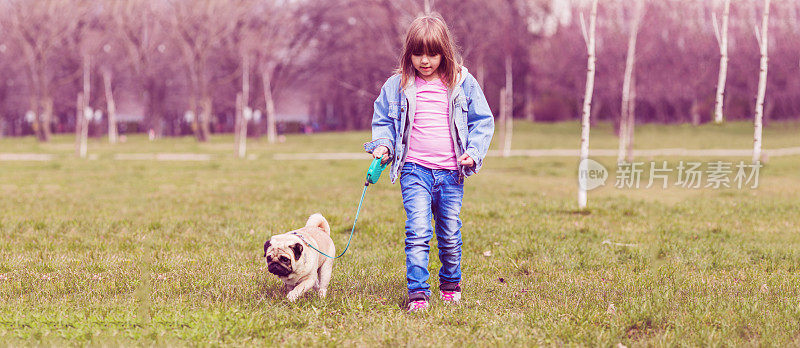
point(282, 255)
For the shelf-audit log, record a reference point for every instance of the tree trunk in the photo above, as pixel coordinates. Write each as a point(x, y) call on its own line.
point(529, 115)
point(242, 116)
point(631, 121)
point(43, 106)
point(695, 113)
point(238, 148)
point(480, 74)
point(626, 115)
point(87, 80)
point(194, 110)
point(269, 110)
point(587, 99)
point(79, 117)
point(205, 117)
point(86, 112)
point(45, 117)
point(113, 134)
point(201, 100)
point(508, 115)
point(723, 63)
point(762, 85)
point(36, 123)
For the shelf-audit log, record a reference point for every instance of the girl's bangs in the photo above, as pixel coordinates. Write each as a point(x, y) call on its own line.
point(419, 46)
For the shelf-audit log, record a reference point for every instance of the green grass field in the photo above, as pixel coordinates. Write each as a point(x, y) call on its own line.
point(105, 252)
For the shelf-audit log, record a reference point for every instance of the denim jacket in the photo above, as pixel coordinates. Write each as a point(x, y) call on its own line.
point(471, 121)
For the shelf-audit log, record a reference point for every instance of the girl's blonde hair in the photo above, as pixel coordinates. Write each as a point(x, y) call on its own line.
point(429, 35)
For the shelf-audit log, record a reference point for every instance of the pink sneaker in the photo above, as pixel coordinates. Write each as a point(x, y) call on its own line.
point(450, 292)
point(417, 302)
point(417, 306)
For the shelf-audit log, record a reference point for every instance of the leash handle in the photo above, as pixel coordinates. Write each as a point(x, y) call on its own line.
point(374, 171)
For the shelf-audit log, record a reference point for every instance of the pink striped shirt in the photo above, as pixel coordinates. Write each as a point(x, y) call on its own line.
point(430, 144)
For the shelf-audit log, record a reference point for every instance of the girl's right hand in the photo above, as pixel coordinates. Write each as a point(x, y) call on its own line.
point(381, 152)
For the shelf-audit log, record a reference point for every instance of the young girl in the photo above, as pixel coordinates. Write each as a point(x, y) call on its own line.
point(432, 120)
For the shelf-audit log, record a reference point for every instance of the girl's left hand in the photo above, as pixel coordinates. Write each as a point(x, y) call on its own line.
point(465, 160)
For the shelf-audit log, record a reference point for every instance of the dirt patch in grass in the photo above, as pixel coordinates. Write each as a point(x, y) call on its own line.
point(643, 329)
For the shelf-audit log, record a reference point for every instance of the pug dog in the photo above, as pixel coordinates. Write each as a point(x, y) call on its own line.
point(299, 267)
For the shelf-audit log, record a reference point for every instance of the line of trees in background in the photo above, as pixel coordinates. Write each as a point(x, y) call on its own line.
point(205, 66)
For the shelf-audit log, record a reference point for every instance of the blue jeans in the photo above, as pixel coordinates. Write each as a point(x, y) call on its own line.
point(431, 194)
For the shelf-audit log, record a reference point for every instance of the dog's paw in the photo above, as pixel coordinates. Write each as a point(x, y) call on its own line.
point(322, 292)
point(292, 296)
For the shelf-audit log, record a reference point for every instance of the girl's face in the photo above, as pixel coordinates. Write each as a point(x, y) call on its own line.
point(426, 65)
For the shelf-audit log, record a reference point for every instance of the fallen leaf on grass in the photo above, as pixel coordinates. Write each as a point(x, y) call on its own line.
point(619, 244)
point(611, 309)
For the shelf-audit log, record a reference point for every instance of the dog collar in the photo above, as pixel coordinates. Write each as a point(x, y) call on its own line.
point(301, 237)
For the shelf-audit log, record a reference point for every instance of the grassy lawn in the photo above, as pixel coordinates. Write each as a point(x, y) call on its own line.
point(562, 135)
point(111, 252)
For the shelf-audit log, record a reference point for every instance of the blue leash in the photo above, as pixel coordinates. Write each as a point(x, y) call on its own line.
point(373, 174)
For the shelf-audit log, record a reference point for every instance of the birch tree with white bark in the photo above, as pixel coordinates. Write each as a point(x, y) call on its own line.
point(721, 34)
point(628, 112)
point(589, 38)
point(763, 40)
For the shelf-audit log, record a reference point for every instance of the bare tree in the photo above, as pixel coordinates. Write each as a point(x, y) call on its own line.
point(40, 27)
point(589, 38)
point(284, 41)
point(199, 26)
point(722, 40)
point(762, 81)
point(139, 26)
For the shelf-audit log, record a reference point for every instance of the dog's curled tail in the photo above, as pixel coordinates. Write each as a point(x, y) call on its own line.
point(317, 220)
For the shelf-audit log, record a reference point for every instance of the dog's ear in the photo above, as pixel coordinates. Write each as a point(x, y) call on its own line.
point(266, 246)
point(298, 250)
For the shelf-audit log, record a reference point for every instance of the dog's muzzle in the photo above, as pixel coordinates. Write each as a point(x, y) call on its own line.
point(278, 269)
